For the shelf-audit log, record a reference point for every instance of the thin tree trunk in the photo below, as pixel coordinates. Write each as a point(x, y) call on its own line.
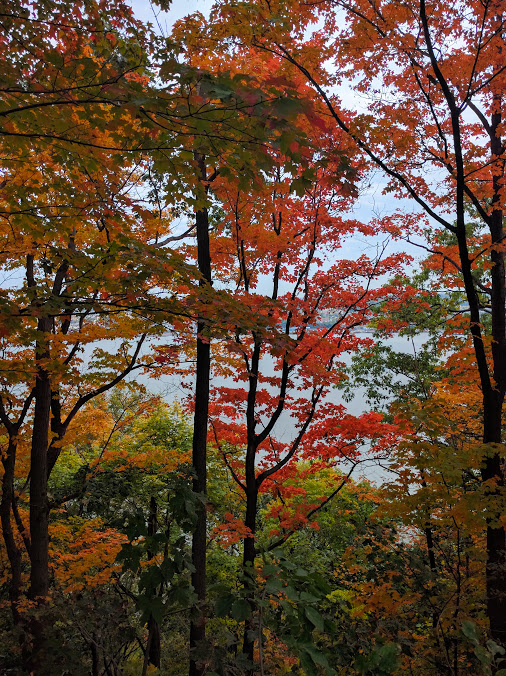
point(95, 669)
point(199, 448)
point(153, 649)
point(154, 653)
point(496, 560)
point(39, 574)
point(249, 554)
point(249, 548)
point(6, 506)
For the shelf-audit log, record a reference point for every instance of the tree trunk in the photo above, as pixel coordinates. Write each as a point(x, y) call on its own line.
point(249, 550)
point(95, 668)
point(248, 561)
point(199, 448)
point(39, 507)
point(496, 540)
point(6, 505)
point(153, 650)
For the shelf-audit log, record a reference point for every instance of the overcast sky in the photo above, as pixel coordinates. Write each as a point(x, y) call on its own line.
point(146, 11)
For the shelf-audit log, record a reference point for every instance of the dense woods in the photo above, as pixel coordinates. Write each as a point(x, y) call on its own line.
point(185, 209)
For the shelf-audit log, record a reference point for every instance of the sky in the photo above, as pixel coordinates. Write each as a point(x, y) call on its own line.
point(146, 11)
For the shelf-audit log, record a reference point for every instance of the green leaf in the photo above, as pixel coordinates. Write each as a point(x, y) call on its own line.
point(270, 569)
point(317, 656)
point(301, 572)
point(224, 604)
point(274, 585)
point(153, 606)
point(382, 660)
point(291, 593)
point(240, 610)
point(495, 648)
point(130, 557)
point(314, 617)
point(181, 595)
point(309, 598)
point(388, 658)
point(470, 631)
point(285, 140)
point(307, 664)
point(287, 107)
point(299, 186)
point(482, 654)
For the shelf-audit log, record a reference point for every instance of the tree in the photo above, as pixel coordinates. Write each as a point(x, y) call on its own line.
point(107, 269)
point(200, 430)
point(435, 492)
point(82, 267)
point(64, 64)
point(435, 80)
point(79, 272)
point(120, 533)
point(220, 109)
point(272, 238)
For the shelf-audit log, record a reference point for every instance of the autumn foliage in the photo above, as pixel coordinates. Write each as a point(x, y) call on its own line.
point(186, 212)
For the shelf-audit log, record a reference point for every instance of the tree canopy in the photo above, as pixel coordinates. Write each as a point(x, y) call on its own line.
point(183, 208)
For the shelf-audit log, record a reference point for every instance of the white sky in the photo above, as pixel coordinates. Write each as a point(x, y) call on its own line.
point(148, 12)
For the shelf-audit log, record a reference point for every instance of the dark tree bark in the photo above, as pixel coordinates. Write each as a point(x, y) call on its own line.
point(39, 510)
point(155, 649)
point(249, 555)
point(95, 664)
point(6, 507)
point(39, 504)
point(199, 448)
point(251, 491)
point(493, 395)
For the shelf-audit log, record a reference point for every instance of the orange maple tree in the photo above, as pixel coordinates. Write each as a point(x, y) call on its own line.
point(81, 245)
point(431, 78)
